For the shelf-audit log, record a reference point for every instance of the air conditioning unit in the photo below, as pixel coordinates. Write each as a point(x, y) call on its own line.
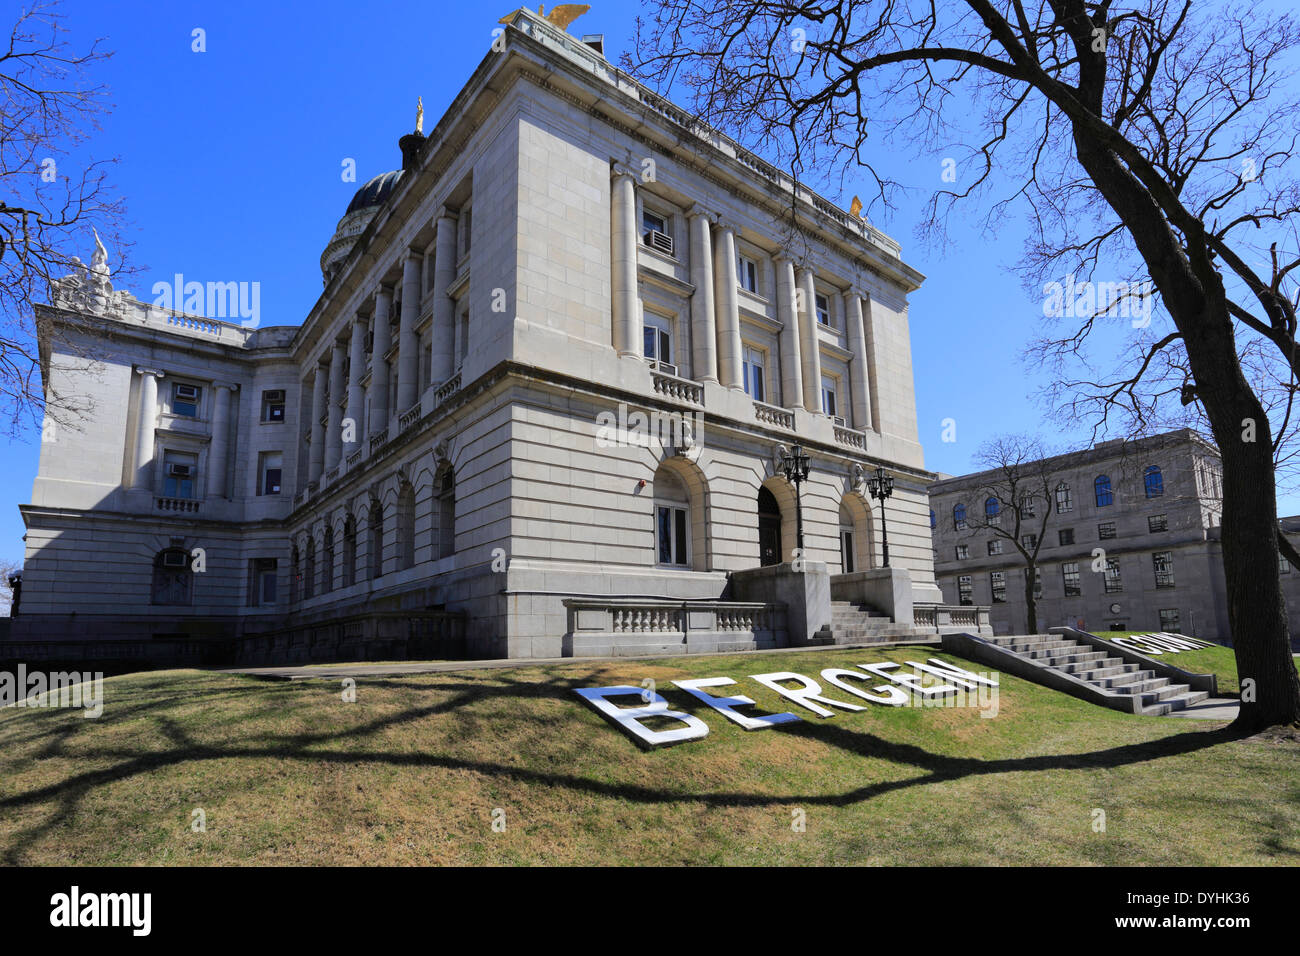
point(838, 420)
point(174, 559)
point(666, 367)
point(187, 391)
point(275, 396)
point(180, 471)
point(658, 240)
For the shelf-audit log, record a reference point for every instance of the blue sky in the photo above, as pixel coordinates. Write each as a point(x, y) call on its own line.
point(231, 160)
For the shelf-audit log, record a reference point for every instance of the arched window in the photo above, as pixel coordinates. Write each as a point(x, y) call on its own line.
point(959, 517)
point(1101, 487)
point(769, 528)
point(172, 579)
point(327, 566)
point(376, 539)
point(405, 527)
point(992, 511)
point(1154, 481)
point(446, 483)
point(309, 576)
point(1064, 499)
point(672, 520)
point(349, 551)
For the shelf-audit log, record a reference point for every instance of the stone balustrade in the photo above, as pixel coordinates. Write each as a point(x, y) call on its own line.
point(447, 389)
point(631, 626)
point(851, 437)
point(178, 504)
point(408, 418)
point(771, 415)
point(679, 389)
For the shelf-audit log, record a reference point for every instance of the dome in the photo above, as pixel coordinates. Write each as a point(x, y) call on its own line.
point(365, 203)
point(375, 191)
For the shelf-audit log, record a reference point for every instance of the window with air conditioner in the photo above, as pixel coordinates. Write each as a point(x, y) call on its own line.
point(273, 405)
point(180, 474)
point(654, 231)
point(185, 400)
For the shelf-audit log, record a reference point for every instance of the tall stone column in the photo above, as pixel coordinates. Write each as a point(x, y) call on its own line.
point(316, 460)
point(383, 341)
point(788, 315)
point(858, 377)
point(871, 339)
point(334, 425)
point(408, 347)
point(809, 348)
point(704, 358)
point(623, 281)
point(218, 448)
point(356, 396)
point(728, 308)
point(148, 421)
point(443, 333)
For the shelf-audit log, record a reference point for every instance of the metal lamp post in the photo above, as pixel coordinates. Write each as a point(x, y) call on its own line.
point(881, 487)
point(795, 466)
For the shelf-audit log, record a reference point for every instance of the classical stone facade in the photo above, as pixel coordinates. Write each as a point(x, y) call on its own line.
point(1132, 541)
point(565, 264)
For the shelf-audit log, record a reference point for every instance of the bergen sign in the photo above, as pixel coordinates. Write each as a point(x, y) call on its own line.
point(901, 688)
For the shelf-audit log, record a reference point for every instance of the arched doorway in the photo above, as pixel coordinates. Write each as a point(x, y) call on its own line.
point(769, 528)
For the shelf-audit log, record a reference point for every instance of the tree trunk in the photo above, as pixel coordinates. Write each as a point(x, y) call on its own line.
point(1031, 605)
point(1192, 292)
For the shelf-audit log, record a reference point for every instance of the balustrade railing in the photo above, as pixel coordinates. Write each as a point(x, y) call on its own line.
point(683, 390)
point(178, 504)
point(771, 415)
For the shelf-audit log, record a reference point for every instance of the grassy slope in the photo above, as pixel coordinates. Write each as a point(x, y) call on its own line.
point(410, 773)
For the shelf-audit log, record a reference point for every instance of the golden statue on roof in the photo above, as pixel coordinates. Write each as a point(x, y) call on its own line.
point(560, 16)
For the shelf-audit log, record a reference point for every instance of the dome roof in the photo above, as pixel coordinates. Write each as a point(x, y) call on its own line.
point(375, 191)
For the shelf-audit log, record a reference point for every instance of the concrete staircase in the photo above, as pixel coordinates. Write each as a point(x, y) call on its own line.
point(1145, 692)
point(859, 624)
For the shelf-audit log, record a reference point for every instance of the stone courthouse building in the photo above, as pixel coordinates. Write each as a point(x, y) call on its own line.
point(456, 442)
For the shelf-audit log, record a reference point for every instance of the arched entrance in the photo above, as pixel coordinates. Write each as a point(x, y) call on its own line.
point(769, 528)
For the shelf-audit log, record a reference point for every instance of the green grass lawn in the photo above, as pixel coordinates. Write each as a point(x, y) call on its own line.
point(288, 773)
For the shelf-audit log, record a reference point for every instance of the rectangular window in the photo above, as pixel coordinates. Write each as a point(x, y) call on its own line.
point(1114, 582)
point(748, 270)
point(963, 552)
point(1163, 562)
point(1027, 507)
point(1070, 578)
point(1064, 500)
point(1169, 622)
point(1157, 523)
point(273, 405)
point(185, 400)
point(180, 474)
point(658, 342)
point(671, 532)
point(1106, 530)
point(965, 591)
point(653, 222)
point(1030, 541)
point(995, 546)
point(998, 581)
point(829, 404)
point(262, 582)
point(269, 469)
point(753, 371)
point(1065, 536)
point(823, 306)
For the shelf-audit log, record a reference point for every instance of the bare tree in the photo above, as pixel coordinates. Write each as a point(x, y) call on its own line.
point(50, 199)
point(1015, 504)
point(1137, 136)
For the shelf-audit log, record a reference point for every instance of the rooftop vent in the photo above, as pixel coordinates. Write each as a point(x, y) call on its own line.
point(596, 41)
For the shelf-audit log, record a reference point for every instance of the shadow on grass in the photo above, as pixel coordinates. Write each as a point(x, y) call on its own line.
point(307, 746)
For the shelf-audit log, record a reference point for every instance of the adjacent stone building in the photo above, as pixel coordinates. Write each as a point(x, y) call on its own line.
point(462, 424)
point(1132, 541)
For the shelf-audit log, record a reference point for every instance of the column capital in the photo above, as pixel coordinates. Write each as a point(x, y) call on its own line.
point(619, 170)
point(228, 386)
point(446, 212)
point(860, 292)
point(698, 210)
point(156, 373)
